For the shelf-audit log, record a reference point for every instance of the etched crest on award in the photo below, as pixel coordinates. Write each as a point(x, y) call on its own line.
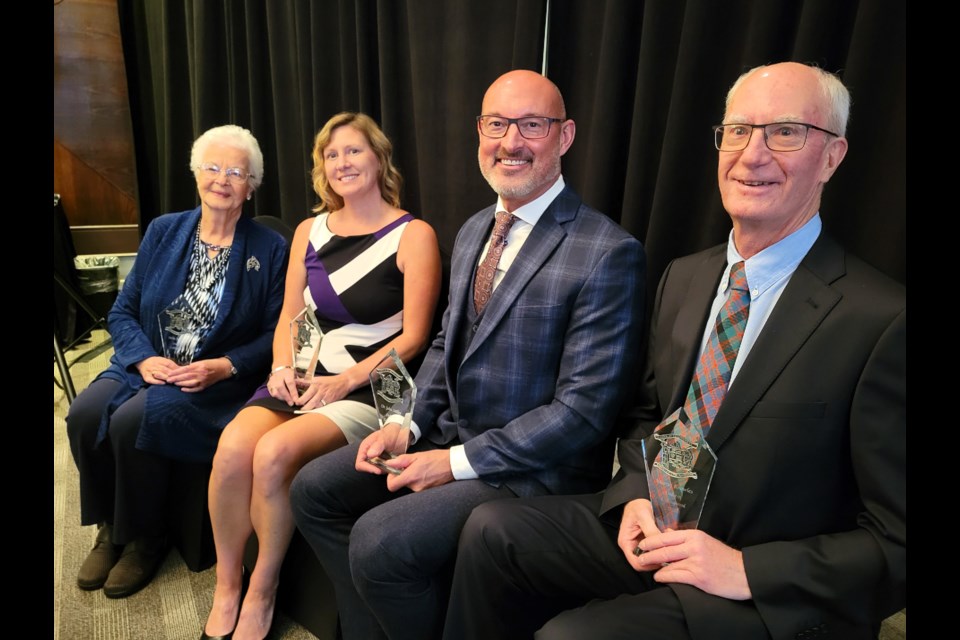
point(179, 331)
point(679, 464)
point(305, 339)
point(394, 392)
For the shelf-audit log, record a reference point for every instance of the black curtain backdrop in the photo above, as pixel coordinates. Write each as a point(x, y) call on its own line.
point(643, 80)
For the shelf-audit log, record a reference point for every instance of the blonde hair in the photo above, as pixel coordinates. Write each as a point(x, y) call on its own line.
point(389, 180)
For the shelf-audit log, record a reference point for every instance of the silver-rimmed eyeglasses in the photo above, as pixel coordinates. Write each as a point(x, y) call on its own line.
point(235, 175)
point(778, 136)
point(530, 127)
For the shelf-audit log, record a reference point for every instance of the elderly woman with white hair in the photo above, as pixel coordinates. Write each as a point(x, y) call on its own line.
point(211, 282)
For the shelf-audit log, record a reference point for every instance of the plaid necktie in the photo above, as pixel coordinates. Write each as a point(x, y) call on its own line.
point(682, 433)
point(483, 282)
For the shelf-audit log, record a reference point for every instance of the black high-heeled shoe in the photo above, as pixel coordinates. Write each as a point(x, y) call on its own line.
point(244, 585)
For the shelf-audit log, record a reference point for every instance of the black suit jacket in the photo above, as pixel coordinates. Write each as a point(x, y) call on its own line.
point(811, 441)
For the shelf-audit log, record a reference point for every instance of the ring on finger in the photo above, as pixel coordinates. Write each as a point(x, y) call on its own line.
point(323, 402)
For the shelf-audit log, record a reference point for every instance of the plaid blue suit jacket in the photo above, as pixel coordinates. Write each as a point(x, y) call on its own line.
point(535, 395)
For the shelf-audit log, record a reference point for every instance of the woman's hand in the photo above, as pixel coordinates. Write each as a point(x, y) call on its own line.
point(323, 390)
point(282, 385)
point(201, 374)
point(154, 370)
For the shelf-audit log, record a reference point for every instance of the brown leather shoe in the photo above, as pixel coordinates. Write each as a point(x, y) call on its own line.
point(135, 569)
point(100, 560)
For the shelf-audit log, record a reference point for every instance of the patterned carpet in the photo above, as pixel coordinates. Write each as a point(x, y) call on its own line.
point(172, 607)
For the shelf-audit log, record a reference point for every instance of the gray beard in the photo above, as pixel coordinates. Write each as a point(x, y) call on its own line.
point(516, 190)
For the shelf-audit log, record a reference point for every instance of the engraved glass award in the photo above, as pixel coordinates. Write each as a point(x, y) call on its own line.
point(394, 392)
point(679, 464)
point(305, 338)
point(179, 331)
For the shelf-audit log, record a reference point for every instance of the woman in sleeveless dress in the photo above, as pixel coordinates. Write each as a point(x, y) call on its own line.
point(370, 273)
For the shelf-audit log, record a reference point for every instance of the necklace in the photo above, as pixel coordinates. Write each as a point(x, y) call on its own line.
point(207, 272)
point(214, 247)
point(208, 246)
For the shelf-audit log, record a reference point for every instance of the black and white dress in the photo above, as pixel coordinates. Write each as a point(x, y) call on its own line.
point(356, 292)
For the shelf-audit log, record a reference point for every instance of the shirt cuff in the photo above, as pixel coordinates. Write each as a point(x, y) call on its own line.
point(414, 429)
point(459, 464)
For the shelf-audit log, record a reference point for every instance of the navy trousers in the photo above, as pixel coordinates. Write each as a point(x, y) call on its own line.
point(389, 555)
point(119, 484)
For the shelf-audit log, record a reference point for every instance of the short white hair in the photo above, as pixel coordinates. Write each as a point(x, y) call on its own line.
point(832, 88)
point(230, 135)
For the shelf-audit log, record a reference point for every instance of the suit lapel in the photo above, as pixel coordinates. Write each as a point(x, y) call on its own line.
point(543, 240)
point(805, 302)
point(474, 236)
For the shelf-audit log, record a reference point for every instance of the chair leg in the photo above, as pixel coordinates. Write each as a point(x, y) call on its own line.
point(64, 369)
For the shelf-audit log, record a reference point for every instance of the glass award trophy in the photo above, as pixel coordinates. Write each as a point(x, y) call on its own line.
point(178, 331)
point(394, 392)
point(305, 338)
point(679, 464)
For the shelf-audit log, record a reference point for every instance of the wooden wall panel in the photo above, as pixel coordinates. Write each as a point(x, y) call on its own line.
point(93, 155)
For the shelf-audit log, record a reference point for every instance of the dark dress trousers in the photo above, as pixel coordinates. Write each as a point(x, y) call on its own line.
point(810, 482)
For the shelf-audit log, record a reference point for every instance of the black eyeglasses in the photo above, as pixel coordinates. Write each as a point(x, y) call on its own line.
point(530, 127)
point(778, 136)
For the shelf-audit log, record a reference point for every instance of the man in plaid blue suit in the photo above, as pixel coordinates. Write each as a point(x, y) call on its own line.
point(515, 398)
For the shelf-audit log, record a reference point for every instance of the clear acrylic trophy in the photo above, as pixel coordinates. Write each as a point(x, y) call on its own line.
point(178, 332)
point(394, 392)
point(305, 339)
point(679, 464)
point(394, 395)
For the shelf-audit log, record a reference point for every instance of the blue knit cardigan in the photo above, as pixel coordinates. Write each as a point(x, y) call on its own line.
point(187, 426)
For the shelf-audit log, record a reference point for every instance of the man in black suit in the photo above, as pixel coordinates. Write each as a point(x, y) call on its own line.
point(803, 532)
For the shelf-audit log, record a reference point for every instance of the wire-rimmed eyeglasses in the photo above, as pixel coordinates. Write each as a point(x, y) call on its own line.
point(778, 136)
point(235, 175)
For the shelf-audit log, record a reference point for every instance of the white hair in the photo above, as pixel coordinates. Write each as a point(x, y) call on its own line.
point(832, 89)
point(230, 135)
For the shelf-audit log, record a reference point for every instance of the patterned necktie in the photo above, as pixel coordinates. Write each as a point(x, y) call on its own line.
point(682, 432)
point(483, 282)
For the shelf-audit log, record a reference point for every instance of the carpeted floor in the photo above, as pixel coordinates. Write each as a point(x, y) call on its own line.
point(173, 607)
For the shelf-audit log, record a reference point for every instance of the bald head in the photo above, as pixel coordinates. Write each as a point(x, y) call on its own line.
point(525, 87)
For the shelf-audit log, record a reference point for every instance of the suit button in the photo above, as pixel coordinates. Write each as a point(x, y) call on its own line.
point(474, 328)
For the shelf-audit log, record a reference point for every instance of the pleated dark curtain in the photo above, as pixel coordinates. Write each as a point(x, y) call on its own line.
point(644, 81)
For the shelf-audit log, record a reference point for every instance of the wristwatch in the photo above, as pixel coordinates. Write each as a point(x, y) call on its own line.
point(233, 368)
